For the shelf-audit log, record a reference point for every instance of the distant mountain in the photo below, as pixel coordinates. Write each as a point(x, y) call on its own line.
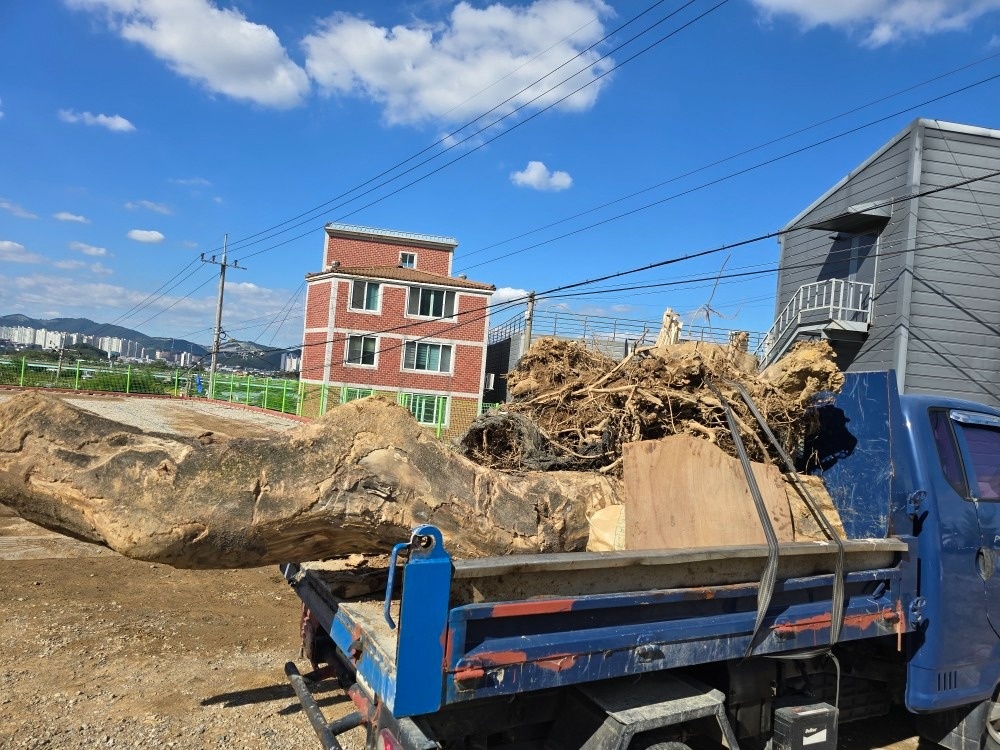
point(251, 356)
point(89, 328)
point(246, 355)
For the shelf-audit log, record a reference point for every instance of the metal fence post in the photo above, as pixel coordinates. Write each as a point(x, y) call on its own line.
point(76, 385)
point(284, 393)
point(323, 395)
point(440, 414)
point(248, 389)
point(298, 408)
point(232, 387)
point(128, 379)
point(177, 381)
point(267, 383)
point(23, 363)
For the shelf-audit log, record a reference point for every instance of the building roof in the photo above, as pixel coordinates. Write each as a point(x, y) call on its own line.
point(354, 231)
point(953, 127)
point(397, 273)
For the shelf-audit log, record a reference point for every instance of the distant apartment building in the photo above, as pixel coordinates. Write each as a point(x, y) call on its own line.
point(290, 362)
point(385, 315)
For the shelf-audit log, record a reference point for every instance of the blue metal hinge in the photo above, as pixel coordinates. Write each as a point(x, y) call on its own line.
point(426, 541)
point(917, 607)
point(914, 501)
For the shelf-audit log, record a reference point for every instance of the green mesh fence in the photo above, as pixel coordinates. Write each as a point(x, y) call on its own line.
point(446, 416)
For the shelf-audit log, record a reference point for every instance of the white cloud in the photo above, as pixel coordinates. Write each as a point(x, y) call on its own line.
point(159, 208)
point(83, 247)
point(145, 235)
point(190, 244)
point(433, 72)
point(116, 123)
point(506, 294)
point(15, 209)
point(218, 48)
point(192, 181)
point(537, 176)
point(883, 21)
point(15, 252)
point(69, 265)
point(1, 111)
point(100, 269)
point(66, 216)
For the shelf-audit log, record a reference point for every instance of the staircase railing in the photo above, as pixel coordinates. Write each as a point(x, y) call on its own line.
point(839, 299)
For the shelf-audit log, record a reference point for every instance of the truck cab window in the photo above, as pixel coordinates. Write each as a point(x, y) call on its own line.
point(983, 444)
point(947, 448)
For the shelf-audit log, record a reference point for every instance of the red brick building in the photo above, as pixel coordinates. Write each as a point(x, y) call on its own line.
point(386, 315)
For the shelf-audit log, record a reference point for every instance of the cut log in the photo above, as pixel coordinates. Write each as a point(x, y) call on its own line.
point(355, 481)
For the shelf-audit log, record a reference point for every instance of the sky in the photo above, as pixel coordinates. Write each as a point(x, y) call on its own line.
point(556, 140)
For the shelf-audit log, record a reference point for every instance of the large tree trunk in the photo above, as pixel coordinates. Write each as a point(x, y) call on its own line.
point(356, 480)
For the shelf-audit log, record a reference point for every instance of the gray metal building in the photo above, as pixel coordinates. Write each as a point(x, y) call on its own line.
point(900, 282)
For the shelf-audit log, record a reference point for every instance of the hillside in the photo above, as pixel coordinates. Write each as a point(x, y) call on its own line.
point(90, 328)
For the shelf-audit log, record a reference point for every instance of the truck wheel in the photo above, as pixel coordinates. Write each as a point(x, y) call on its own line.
point(651, 743)
point(993, 725)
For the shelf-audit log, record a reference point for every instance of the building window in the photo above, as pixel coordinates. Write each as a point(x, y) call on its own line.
point(361, 350)
point(429, 410)
point(431, 357)
point(431, 303)
point(364, 295)
point(408, 260)
point(353, 394)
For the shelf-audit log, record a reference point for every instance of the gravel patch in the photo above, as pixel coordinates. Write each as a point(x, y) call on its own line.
point(178, 416)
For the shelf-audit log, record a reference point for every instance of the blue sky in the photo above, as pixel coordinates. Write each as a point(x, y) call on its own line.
point(134, 134)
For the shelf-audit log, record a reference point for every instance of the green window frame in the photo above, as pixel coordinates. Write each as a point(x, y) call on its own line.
point(353, 394)
point(426, 409)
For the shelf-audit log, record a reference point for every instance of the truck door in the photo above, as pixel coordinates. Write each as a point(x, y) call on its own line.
point(978, 436)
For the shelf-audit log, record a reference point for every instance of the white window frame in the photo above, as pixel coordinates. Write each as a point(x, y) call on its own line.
point(378, 297)
point(446, 405)
point(416, 351)
point(347, 350)
point(412, 255)
point(444, 302)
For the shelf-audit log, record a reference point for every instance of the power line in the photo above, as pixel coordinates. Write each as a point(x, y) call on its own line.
point(243, 242)
point(744, 152)
point(176, 301)
point(732, 174)
point(554, 293)
point(499, 135)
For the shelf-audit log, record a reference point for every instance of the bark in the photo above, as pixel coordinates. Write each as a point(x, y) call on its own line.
point(355, 481)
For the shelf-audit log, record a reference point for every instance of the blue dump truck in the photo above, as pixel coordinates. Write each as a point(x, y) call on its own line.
point(753, 646)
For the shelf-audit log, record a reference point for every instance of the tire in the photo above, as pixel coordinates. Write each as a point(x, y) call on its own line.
point(653, 741)
point(991, 739)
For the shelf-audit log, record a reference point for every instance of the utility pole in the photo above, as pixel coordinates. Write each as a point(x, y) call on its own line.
point(223, 265)
point(529, 314)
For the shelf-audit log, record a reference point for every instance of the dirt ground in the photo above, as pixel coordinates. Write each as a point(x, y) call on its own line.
point(97, 650)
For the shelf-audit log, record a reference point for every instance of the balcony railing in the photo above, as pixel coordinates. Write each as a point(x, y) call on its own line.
point(822, 304)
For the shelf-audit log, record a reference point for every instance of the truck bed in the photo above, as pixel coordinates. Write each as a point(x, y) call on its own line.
point(498, 626)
